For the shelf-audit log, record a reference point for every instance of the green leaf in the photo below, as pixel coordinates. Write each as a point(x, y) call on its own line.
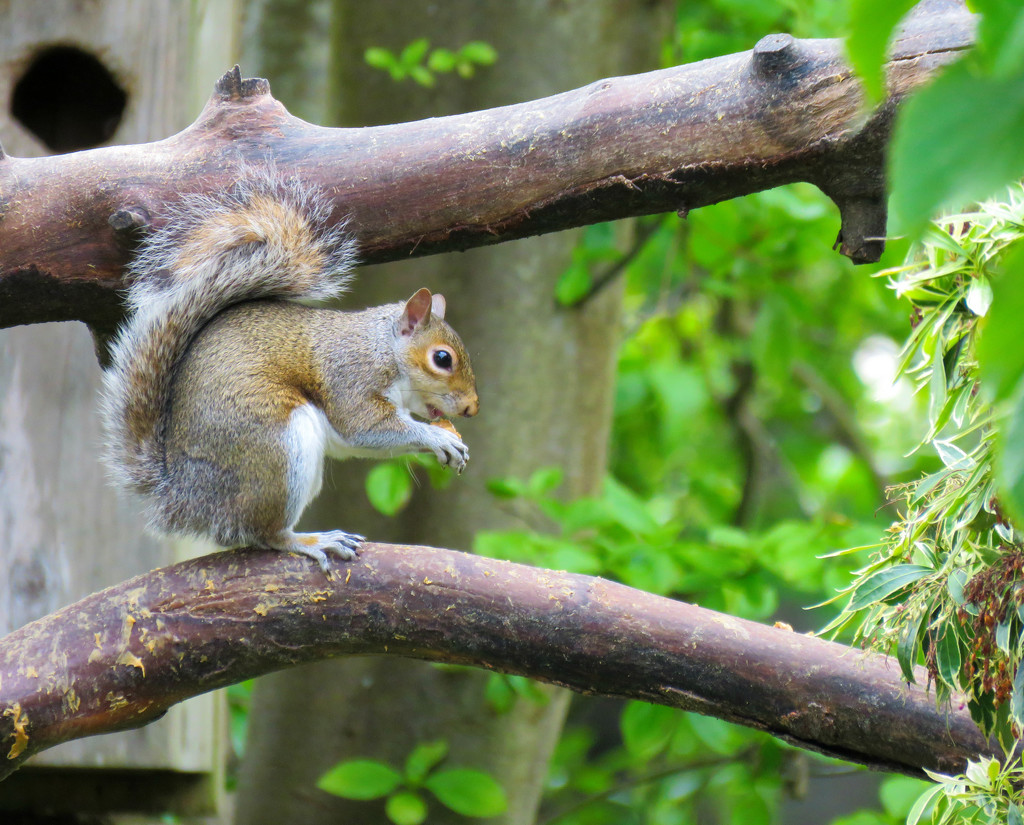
point(1009, 467)
point(544, 481)
point(1000, 46)
point(360, 779)
point(379, 58)
point(937, 386)
point(953, 457)
point(406, 808)
point(956, 141)
point(1014, 815)
point(441, 60)
point(423, 76)
point(627, 507)
point(500, 695)
point(510, 487)
point(871, 25)
point(1002, 636)
point(899, 794)
point(955, 584)
point(906, 646)
point(1017, 696)
point(502, 691)
point(574, 285)
point(1000, 356)
point(468, 792)
point(413, 54)
point(883, 583)
point(574, 559)
point(923, 801)
point(979, 296)
point(389, 487)
point(647, 729)
point(424, 757)
point(476, 51)
point(947, 656)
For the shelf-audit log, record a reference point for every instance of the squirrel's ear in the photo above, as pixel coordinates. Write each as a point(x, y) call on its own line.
point(416, 312)
point(437, 306)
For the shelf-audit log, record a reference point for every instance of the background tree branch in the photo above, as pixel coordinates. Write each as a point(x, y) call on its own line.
point(789, 110)
point(119, 658)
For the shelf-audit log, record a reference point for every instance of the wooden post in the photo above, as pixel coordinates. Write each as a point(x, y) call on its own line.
point(75, 76)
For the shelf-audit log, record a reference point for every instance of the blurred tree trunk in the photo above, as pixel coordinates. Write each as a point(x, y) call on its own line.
point(545, 376)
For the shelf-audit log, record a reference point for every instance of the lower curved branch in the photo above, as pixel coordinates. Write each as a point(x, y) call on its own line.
point(119, 658)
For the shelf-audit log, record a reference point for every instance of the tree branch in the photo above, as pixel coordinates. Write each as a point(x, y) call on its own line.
point(677, 139)
point(119, 658)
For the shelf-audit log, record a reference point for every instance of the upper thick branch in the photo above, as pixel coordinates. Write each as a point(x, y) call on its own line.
point(675, 139)
point(120, 658)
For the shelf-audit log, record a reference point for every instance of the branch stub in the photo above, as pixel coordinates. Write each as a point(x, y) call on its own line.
point(775, 54)
point(232, 86)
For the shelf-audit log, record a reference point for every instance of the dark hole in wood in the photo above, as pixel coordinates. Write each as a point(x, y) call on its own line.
point(68, 99)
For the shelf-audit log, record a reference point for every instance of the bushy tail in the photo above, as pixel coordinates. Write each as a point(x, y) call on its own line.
point(265, 238)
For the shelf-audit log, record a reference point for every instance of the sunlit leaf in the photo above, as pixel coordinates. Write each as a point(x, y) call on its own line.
point(923, 802)
point(479, 52)
point(1017, 696)
point(424, 757)
point(1009, 472)
point(1000, 355)
point(360, 779)
point(956, 141)
point(883, 583)
point(947, 656)
point(406, 808)
point(906, 646)
point(468, 792)
point(389, 487)
point(871, 24)
point(979, 296)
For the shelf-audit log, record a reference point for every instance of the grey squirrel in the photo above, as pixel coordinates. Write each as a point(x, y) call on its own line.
point(224, 395)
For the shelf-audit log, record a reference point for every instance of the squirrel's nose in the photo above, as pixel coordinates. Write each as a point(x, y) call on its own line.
point(471, 409)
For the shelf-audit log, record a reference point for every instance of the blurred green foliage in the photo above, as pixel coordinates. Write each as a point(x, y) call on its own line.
point(466, 791)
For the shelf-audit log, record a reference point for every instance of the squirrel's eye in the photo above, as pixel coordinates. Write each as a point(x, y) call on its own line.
point(443, 359)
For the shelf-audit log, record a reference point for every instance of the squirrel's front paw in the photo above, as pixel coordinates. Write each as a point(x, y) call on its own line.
point(450, 450)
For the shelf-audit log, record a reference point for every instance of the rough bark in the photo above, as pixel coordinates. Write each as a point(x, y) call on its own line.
point(121, 657)
point(676, 139)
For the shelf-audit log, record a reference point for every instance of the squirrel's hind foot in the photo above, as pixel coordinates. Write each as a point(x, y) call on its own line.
point(317, 545)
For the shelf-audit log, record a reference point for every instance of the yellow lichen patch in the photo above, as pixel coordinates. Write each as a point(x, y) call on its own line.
point(126, 629)
point(272, 587)
point(116, 701)
point(260, 609)
point(210, 586)
point(31, 672)
point(348, 575)
point(20, 720)
point(130, 659)
point(71, 701)
point(96, 640)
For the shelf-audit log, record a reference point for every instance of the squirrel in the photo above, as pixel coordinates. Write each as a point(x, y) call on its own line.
point(223, 394)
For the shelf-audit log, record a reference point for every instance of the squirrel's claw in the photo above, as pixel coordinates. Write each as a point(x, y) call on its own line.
point(317, 545)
